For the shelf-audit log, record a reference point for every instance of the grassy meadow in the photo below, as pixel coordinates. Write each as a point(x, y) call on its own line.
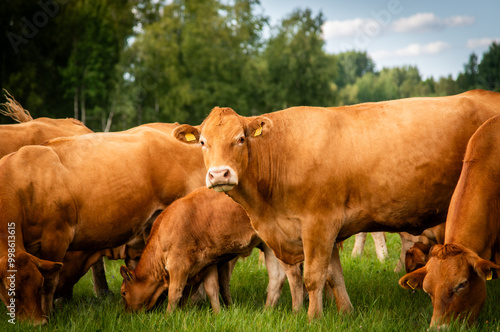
point(379, 304)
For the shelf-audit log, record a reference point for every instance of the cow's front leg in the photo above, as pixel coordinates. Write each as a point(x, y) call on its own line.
point(177, 283)
point(336, 281)
point(58, 243)
point(318, 242)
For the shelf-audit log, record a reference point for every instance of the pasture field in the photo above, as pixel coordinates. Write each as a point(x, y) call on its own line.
point(379, 304)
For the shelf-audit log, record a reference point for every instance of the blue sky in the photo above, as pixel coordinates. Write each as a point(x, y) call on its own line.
point(436, 36)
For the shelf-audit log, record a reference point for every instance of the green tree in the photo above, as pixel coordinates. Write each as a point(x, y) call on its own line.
point(352, 65)
point(299, 71)
point(196, 56)
point(489, 68)
point(469, 78)
point(100, 29)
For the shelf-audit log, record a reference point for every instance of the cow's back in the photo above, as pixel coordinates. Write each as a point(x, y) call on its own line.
point(379, 166)
point(98, 182)
point(203, 221)
point(38, 131)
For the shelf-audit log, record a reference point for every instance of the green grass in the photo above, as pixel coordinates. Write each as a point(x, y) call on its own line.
point(379, 304)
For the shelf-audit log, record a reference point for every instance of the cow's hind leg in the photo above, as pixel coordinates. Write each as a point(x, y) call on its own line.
point(225, 270)
point(336, 281)
point(211, 284)
point(359, 244)
point(380, 245)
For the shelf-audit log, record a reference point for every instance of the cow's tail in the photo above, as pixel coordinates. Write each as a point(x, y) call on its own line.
point(13, 109)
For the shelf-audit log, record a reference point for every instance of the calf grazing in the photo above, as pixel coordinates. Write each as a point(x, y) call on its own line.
point(418, 254)
point(83, 193)
point(309, 177)
point(190, 241)
point(455, 275)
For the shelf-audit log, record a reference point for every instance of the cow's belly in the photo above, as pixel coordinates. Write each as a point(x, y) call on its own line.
point(110, 229)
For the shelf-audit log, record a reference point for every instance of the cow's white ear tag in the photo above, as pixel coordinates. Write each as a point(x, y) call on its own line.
point(190, 137)
point(258, 131)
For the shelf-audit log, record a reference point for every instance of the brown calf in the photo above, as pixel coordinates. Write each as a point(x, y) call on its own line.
point(192, 241)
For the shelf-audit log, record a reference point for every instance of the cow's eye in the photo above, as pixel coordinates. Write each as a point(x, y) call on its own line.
point(460, 286)
point(202, 143)
point(241, 140)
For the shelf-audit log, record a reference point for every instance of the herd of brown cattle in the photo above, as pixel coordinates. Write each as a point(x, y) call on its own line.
point(297, 182)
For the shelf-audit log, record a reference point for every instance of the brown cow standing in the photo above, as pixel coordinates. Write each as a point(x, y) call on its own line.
point(309, 177)
point(86, 192)
point(455, 275)
point(189, 241)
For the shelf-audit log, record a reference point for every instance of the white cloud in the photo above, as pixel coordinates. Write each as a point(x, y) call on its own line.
point(481, 42)
point(346, 28)
point(412, 50)
point(423, 22)
point(374, 26)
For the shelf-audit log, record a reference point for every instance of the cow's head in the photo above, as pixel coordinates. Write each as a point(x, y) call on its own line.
point(416, 257)
point(455, 279)
point(224, 137)
point(139, 293)
point(22, 286)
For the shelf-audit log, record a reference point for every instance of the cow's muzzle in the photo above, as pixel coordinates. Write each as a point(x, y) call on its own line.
point(222, 178)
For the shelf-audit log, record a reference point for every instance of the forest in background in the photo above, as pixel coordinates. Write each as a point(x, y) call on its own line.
point(118, 64)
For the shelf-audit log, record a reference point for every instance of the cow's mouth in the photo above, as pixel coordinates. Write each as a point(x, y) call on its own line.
point(223, 187)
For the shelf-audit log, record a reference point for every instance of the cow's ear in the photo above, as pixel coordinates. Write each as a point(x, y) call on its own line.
point(187, 134)
point(259, 127)
point(128, 275)
point(47, 268)
point(413, 280)
point(485, 269)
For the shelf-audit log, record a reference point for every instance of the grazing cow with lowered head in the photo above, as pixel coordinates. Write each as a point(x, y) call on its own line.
point(83, 193)
point(310, 177)
point(192, 241)
point(455, 275)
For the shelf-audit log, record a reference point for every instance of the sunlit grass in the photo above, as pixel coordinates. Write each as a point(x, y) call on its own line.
point(379, 304)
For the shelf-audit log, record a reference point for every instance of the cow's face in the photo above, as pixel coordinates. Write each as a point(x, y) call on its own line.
point(139, 294)
point(224, 138)
point(22, 286)
point(454, 277)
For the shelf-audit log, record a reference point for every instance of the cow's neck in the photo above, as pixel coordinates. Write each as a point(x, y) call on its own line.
point(150, 266)
point(473, 223)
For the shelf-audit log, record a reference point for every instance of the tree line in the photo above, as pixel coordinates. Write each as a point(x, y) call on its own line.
point(117, 64)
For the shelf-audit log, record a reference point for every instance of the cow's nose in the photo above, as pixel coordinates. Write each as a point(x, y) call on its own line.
point(219, 176)
point(222, 178)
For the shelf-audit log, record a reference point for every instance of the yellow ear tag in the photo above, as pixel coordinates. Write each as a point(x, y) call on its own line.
point(408, 283)
point(190, 137)
point(490, 275)
point(258, 131)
